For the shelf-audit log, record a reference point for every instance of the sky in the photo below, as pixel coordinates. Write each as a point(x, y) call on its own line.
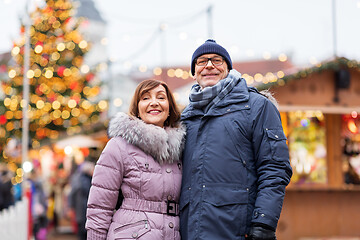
point(166, 33)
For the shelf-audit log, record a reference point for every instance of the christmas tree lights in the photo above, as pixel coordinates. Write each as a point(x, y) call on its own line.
point(62, 88)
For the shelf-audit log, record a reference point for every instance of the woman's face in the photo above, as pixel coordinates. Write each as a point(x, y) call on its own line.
point(153, 106)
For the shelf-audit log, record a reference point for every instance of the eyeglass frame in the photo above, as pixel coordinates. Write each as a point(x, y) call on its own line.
point(210, 59)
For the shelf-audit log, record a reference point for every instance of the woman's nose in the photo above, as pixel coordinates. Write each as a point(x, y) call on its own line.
point(154, 102)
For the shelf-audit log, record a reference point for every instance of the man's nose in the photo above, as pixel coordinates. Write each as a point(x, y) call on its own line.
point(209, 63)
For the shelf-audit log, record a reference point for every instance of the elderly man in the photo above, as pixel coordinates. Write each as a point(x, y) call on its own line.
point(236, 161)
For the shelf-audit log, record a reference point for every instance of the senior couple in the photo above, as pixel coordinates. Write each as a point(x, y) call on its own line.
point(218, 170)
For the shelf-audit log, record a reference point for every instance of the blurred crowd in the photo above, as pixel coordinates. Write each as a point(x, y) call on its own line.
point(67, 200)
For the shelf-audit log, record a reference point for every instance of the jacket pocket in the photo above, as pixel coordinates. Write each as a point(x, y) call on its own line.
point(277, 140)
point(132, 230)
point(223, 197)
point(229, 205)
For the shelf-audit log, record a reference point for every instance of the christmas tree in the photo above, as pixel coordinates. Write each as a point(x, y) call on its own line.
point(63, 89)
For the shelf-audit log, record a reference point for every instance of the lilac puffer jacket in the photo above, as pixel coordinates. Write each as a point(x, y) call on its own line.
point(142, 160)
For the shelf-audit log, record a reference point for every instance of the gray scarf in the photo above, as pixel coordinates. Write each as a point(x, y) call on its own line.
point(209, 96)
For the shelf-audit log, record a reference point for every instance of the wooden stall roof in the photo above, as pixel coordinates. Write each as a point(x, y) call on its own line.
point(316, 88)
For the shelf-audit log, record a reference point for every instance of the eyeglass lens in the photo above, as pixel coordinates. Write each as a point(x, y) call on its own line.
point(217, 61)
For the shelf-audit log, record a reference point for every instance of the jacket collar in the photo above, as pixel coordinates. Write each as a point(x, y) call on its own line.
point(163, 144)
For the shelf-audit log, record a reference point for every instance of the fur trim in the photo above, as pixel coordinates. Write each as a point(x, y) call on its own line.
point(269, 95)
point(165, 145)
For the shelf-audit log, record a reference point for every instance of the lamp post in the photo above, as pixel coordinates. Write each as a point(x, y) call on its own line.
point(334, 28)
point(26, 89)
point(210, 26)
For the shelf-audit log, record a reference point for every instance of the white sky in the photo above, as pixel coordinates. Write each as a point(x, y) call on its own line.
point(303, 29)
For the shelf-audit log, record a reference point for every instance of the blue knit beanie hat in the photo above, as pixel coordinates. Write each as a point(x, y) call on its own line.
point(210, 46)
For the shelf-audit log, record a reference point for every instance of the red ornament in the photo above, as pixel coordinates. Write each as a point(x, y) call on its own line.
point(73, 85)
point(2, 119)
point(60, 71)
point(68, 20)
point(38, 90)
point(51, 97)
point(90, 77)
point(76, 98)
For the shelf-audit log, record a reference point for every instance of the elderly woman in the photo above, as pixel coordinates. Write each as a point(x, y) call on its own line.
point(141, 162)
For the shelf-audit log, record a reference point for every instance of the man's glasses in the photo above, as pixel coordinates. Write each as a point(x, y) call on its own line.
point(216, 61)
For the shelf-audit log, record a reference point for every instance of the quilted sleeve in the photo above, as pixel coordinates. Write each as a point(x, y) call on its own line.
point(104, 191)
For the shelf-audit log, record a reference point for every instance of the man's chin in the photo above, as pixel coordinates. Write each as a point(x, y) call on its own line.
point(209, 83)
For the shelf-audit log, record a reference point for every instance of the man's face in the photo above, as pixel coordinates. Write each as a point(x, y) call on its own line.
point(210, 74)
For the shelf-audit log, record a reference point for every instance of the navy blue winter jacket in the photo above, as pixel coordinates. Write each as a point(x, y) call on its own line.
point(235, 167)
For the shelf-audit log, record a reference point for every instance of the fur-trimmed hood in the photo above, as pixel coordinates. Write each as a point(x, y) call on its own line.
point(165, 145)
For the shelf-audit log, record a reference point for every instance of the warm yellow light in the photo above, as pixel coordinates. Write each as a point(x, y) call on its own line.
point(65, 114)
point(55, 56)
point(19, 172)
point(37, 72)
point(85, 68)
point(258, 77)
point(49, 74)
point(280, 74)
point(142, 68)
point(83, 44)
point(118, 102)
point(282, 57)
point(103, 104)
point(67, 72)
point(171, 72)
point(56, 24)
point(86, 90)
point(86, 104)
point(178, 73)
point(30, 74)
point(38, 49)
point(40, 104)
point(7, 102)
point(22, 103)
point(75, 112)
point(72, 103)
point(157, 71)
point(56, 105)
point(70, 46)
point(60, 47)
point(47, 107)
point(12, 73)
point(15, 51)
point(56, 114)
point(249, 79)
point(352, 126)
point(9, 90)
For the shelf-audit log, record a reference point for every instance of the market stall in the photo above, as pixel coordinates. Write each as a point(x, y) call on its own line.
point(320, 109)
